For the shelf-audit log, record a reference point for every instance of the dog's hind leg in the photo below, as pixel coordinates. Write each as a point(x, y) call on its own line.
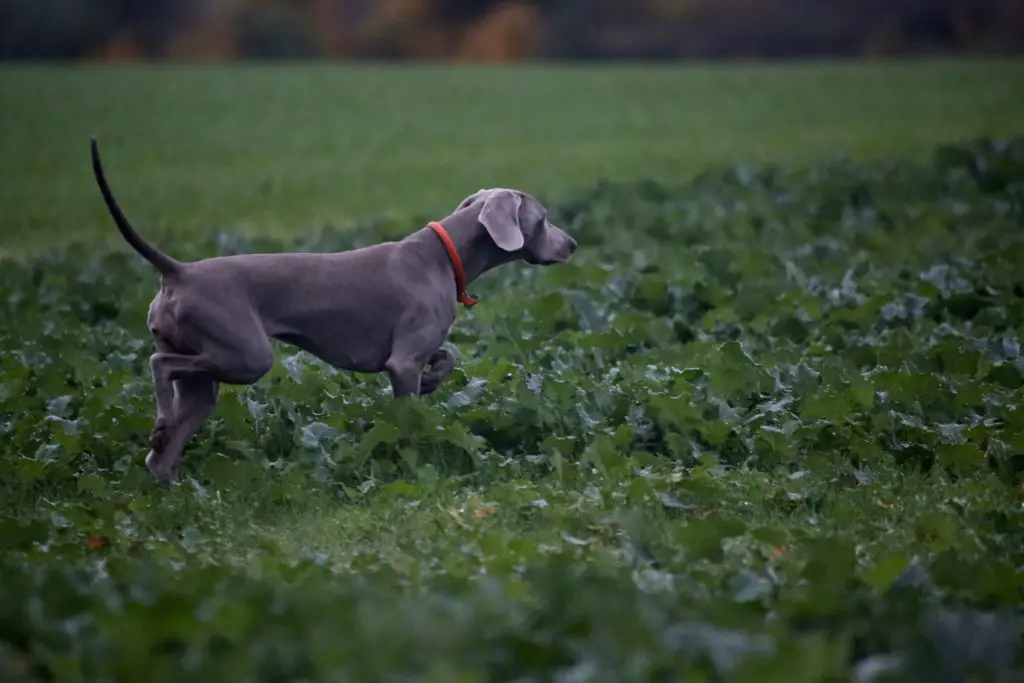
point(163, 388)
point(231, 351)
point(194, 401)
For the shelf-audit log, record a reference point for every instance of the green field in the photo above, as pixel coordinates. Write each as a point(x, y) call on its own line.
point(765, 427)
point(286, 150)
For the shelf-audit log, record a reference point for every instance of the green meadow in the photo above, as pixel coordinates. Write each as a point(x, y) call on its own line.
point(765, 426)
point(284, 150)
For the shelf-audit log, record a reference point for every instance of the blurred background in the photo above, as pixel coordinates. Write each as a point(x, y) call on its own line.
point(497, 31)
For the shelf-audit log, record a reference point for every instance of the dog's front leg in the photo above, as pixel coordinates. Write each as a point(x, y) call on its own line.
point(416, 341)
point(405, 374)
point(441, 365)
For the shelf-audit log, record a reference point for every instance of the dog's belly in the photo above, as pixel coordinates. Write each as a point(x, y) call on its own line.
point(348, 344)
point(357, 341)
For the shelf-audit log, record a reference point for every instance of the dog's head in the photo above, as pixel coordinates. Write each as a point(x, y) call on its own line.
point(518, 224)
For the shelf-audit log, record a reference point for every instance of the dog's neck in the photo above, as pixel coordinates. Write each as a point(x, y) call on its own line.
point(475, 248)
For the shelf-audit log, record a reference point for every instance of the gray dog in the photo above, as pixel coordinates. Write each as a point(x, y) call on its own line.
point(382, 308)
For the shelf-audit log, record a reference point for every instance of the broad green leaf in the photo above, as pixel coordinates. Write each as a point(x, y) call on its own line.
point(885, 569)
point(962, 458)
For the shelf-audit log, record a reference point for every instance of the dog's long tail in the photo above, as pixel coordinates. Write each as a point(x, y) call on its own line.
point(164, 263)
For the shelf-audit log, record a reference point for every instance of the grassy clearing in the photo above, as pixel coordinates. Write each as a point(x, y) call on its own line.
point(765, 427)
point(286, 150)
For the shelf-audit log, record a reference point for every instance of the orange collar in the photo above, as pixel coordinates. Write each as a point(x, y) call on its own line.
point(453, 256)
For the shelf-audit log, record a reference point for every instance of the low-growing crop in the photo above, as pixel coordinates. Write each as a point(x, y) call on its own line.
point(766, 426)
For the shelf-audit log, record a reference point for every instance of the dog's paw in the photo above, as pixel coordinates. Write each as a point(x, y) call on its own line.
point(164, 474)
point(160, 436)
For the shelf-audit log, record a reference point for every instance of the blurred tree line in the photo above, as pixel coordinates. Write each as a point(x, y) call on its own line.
point(503, 30)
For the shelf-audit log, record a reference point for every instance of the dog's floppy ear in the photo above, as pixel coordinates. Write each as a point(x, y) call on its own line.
point(470, 199)
point(500, 217)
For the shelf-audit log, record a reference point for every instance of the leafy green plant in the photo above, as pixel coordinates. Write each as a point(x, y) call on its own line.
point(766, 426)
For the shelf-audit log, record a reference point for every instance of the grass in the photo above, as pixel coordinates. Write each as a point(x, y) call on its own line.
point(764, 427)
point(285, 150)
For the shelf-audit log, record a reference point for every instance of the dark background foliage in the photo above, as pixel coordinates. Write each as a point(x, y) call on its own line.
point(500, 30)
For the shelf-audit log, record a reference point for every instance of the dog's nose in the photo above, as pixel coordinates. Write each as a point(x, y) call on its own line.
point(573, 244)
